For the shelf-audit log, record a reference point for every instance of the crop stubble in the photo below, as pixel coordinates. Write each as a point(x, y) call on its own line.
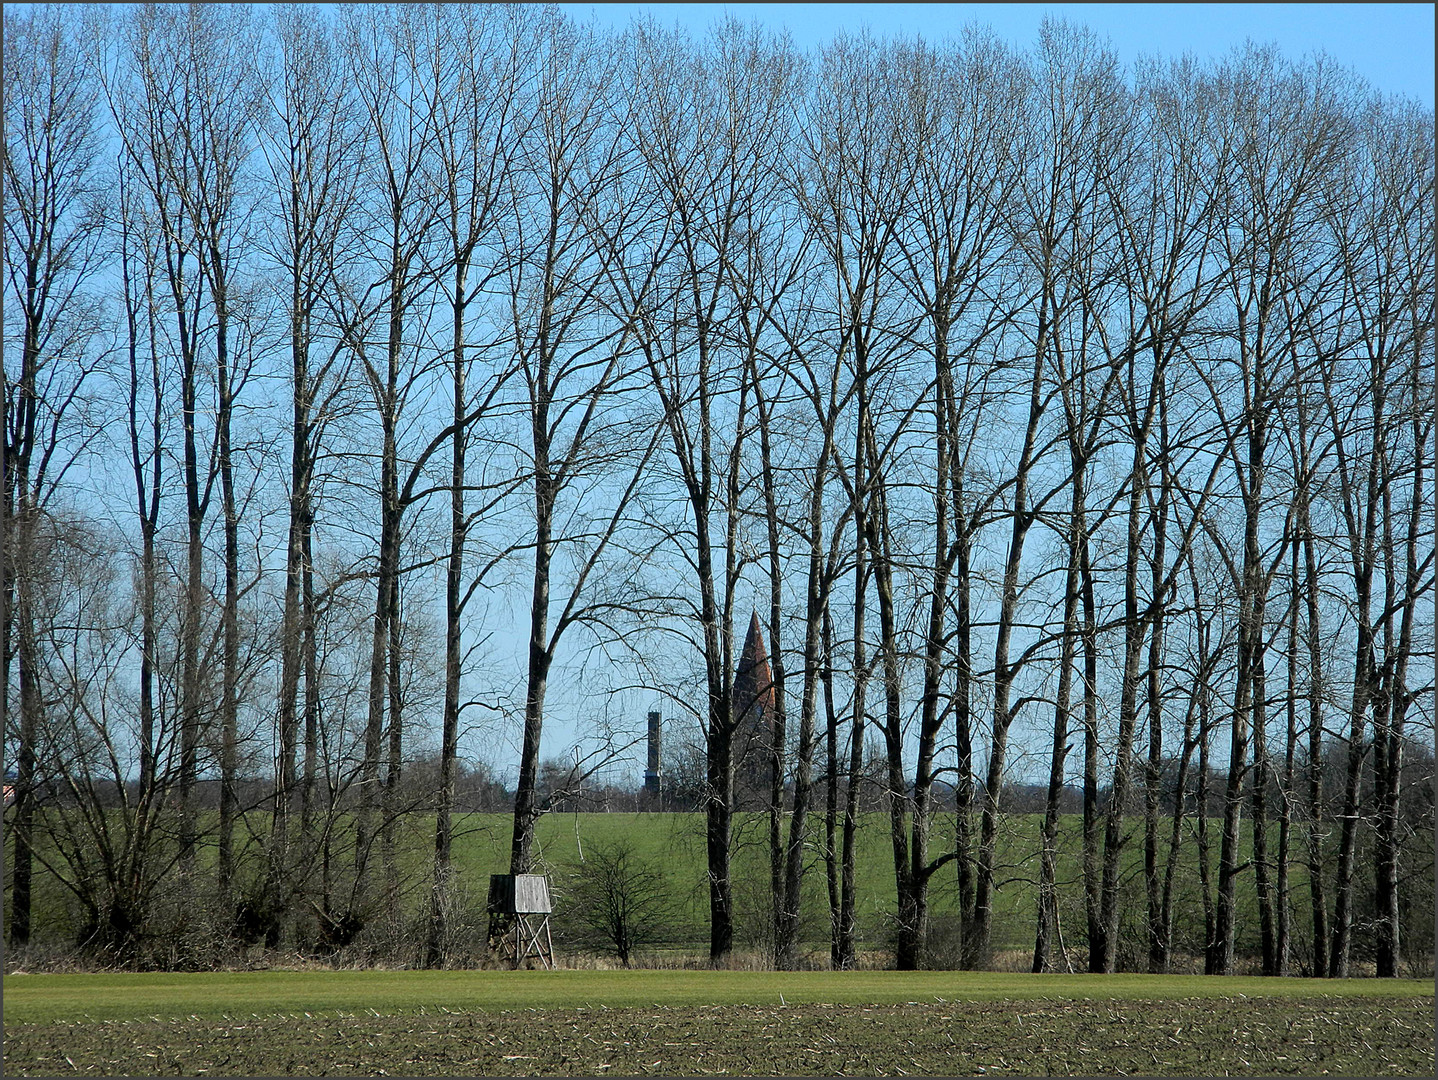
point(1226, 1036)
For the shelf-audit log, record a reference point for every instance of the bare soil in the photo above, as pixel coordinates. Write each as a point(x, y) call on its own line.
point(1227, 1036)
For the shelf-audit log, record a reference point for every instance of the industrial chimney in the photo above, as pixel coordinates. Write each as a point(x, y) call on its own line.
point(651, 771)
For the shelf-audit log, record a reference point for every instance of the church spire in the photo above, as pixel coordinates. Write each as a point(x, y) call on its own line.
point(754, 709)
point(753, 681)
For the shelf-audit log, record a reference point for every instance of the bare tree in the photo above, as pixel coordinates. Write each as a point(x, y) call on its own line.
point(763, 269)
point(109, 844)
point(965, 127)
point(184, 145)
point(567, 225)
point(223, 100)
point(704, 148)
point(1284, 140)
point(51, 236)
point(400, 213)
point(1086, 381)
point(855, 196)
point(1162, 220)
point(1382, 229)
point(312, 145)
point(621, 899)
point(1075, 100)
point(479, 64)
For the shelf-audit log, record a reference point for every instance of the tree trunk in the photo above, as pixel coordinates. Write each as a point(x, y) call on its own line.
point(386, 570)
point(1262, 782)
point(1158, 926)
point(191, 696)
point(526, 809)
point(453, 609)
point(1048, 871)
point(969, 955)
point(1105, 957)
point(910, 887)
point(1058, 753)
point(31, 719)
point(1092, 819)
point(230, 613)
point(1363, 684)
point(831, 788)
point(292, 626)
point(787, 926)
point(847, 955)
point(1317, 813)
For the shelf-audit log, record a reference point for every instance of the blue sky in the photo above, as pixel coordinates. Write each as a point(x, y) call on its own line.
point(1391, 45)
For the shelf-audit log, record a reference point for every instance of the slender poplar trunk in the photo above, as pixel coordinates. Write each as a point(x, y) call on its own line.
point(1022, 517)
point(1058, 753)
point(230, 613)
point(847, 954)
point(831, 786)
point(453, 609)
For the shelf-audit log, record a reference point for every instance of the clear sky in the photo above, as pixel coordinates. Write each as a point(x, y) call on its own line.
point(1391, 45)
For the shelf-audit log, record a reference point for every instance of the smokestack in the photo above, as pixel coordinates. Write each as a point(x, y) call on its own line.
point(651, 771)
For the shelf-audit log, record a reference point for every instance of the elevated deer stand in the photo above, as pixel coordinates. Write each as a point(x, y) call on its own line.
point(523, 901)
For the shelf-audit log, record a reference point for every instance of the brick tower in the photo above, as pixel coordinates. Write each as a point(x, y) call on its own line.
point(753, 719)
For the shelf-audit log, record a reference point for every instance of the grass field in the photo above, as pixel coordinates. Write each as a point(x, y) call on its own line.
point(675, 842)
point(703, 1023)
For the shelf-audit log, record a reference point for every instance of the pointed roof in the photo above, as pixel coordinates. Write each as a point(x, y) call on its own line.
point(753, 681)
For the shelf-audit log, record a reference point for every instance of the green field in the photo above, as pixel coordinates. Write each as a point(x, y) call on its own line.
point(217, 995)
point(698, 1023)
point(675, 843)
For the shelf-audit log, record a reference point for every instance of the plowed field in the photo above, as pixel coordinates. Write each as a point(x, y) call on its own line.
point(1195, 1037)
